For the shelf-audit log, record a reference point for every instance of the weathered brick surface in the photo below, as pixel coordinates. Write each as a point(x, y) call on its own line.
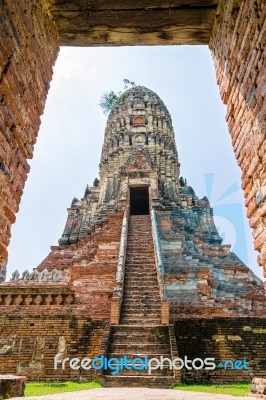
point(38, 317)
point(201, 276)
point(32, 336)
point(28, 49)
point(237, 45)
point(223, 339)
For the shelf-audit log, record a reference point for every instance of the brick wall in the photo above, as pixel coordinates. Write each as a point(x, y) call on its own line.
point(90, 266)
point(31, 337)
point(28, 49)
point(223, 339)
point(237, 47)
point(40, 319)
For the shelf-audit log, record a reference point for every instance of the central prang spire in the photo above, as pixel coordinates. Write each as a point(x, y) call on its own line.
point(139, 149)
point(139, 168)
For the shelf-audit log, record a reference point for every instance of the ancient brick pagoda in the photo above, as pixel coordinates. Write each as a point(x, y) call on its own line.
point(140, 270)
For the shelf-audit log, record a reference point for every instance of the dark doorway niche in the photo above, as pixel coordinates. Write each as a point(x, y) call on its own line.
point(139, 201)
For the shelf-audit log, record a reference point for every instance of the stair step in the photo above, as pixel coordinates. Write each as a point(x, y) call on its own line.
point(143, 271)
point(133, 320)
point(141, 354)
point(140, 284)
point(136, 340)
point(137, 291)
point(140, 269)
point(137, 321)
point(136, 256)
point(130, 300)
point(135, 297)
point(150, 278)
point(139, 374)
point(165, 371)
point(142, 381)
point(140, 311)
point(126, 329)
point(150, 334)
point(141, 295)
point(139, 266)
point(136, 302)
point(135, 272)
point(147, 265)
point(134, 305)
point(140, 317)
point(132, 245)
point(146, 261)
point(149, 305)
point(132, 348)
point(141, 314)
point(132, 284)
point(141, 308)
point(153, 280)
point(134, 237)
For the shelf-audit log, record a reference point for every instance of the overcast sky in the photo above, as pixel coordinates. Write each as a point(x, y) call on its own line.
point(68, 150)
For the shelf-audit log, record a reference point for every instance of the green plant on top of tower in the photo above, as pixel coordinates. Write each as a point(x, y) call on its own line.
point(109, 99)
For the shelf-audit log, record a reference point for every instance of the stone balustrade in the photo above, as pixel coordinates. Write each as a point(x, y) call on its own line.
point(35, 297)
point(43, 276)
point(118, 291)
point(165, 305)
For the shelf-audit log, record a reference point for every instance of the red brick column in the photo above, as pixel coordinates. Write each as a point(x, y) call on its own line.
point(237, 46)
point(28, 50)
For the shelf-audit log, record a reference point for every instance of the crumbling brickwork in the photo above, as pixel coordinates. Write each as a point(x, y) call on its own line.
point(237, 45)
point(28, 49)
point(201, 276)
point(89, 267)
point(32, 336)
point(223, 339)
point(43, 314)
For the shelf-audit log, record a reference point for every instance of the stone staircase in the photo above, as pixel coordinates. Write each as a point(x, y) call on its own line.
point(140, 332)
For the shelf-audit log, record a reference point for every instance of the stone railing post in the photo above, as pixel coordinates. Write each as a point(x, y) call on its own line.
point(165, 309)
point(119, 288)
